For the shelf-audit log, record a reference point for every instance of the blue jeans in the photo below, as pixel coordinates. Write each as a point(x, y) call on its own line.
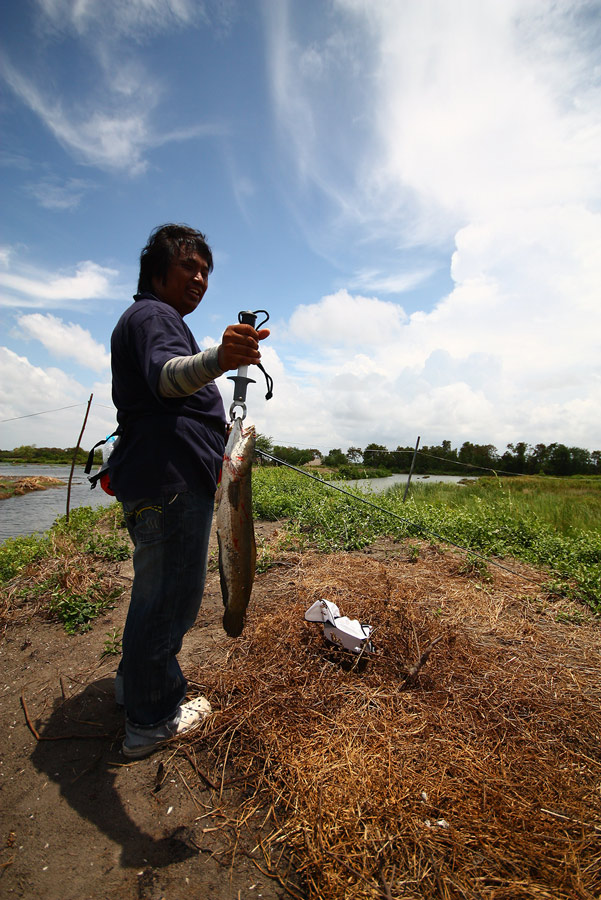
point(171, 540)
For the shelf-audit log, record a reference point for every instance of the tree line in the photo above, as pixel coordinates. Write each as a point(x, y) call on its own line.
point(519, 458)
point(47, 455)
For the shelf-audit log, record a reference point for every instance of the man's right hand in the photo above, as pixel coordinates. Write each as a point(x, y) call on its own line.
point(240, 346)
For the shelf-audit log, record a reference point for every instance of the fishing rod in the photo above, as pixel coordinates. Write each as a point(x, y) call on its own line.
point(241, 379)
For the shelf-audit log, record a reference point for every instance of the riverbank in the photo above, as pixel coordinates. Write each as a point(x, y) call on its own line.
point(17, 485)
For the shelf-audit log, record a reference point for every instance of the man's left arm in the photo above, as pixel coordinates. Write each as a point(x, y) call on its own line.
point(183, 375)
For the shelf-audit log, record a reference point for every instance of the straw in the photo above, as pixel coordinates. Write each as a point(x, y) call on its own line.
point(472, 773)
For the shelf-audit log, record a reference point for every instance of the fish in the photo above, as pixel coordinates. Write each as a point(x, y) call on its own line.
point(235, 527)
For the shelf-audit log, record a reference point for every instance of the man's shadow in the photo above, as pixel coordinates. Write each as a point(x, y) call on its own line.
point(84, 763)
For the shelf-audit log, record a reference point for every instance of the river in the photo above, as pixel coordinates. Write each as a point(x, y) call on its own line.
point(378, 485)
point(36, 511)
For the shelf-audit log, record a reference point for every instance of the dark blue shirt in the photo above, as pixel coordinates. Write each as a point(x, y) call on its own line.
point(168, 445)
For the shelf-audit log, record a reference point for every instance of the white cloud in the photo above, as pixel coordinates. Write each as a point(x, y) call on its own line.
point(452, 112)
point(51, 194)
point(113, 138)
point(136, 18)
point(112, 127)
point(388, 282)
point(46, 407)
point(31, 288)
point(476, 109)
point(497, 360)
point(27, 387)
point(66, 340)
point(342, 320)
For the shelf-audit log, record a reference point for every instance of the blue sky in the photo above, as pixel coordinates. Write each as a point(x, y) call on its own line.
point(411, 189)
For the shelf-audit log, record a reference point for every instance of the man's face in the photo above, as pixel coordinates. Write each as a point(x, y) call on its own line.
point(185, 283)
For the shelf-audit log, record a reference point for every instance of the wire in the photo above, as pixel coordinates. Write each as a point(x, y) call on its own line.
point(389, 512)
point(43, 413)
point(457, 462)
point(454, 462)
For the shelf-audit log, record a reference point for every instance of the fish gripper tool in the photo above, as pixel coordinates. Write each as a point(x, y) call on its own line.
point(241, 379)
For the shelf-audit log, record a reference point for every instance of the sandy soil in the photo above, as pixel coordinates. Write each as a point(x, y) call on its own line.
point(78, 820)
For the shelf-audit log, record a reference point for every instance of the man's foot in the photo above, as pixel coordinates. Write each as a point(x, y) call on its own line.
point(140, 742)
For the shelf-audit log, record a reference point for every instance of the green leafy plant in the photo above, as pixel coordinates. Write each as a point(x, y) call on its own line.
point(413, 553)
point(112, 644)
point(475, 567)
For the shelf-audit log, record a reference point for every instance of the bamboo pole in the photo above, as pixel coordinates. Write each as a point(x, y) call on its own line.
point(411, 469)
point(83, 427)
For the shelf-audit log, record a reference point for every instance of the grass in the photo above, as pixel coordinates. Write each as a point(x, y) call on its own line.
point(549, 522)
point(569, 505)
point(63, 572)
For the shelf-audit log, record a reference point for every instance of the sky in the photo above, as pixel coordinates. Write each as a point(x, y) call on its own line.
point(412, 190)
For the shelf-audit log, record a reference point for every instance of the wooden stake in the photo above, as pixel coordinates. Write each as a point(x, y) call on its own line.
point(411, 469)
point(75, 456)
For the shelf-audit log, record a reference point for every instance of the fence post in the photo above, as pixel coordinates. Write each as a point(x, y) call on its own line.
point(85, 419)
point(411, 470)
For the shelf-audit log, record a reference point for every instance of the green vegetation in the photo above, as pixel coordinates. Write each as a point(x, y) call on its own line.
point(549, 522)
point(18, 553)
point(47, 455)
point(554, 523)
point(112, 644)
point(61, 572)
point(377, 460)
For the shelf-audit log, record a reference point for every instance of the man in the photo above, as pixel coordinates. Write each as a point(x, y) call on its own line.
point(165, 470)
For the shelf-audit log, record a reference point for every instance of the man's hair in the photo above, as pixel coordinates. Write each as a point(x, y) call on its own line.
point(165, 244)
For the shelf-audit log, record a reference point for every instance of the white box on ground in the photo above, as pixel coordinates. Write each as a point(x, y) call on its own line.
point(337, 629)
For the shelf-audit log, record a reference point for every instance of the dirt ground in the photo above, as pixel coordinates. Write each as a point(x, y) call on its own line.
point(78, 820)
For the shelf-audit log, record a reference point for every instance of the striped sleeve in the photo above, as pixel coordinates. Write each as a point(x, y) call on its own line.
point(183, 375)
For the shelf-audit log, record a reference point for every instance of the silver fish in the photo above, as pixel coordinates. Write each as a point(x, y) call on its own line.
point(235, 528)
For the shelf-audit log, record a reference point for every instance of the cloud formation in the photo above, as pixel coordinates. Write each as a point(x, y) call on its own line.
point(480, 129)
point(27, 287)
point(108, 120)
point(52, 194)
point(45, 406)
point(136, 18)
point(66, 340)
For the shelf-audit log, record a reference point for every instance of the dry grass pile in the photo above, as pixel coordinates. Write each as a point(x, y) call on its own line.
point(11, 485)
point(479, 776)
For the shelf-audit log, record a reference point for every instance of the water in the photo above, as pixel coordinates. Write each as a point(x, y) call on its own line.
point(379, 485)
point(36, 512)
